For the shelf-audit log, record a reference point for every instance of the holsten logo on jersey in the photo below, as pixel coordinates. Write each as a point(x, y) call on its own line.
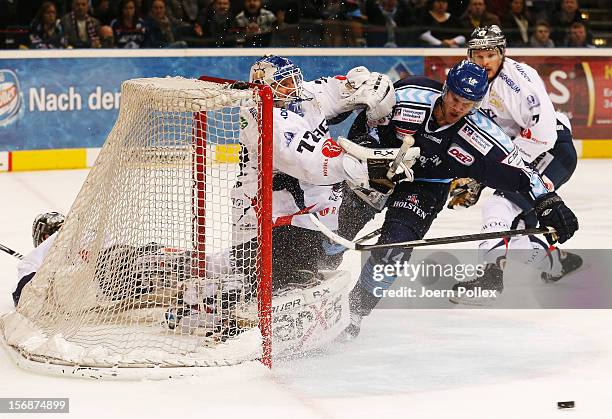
point(10, 96)
point(413, 116)
point(460, 155)
point(475, 139)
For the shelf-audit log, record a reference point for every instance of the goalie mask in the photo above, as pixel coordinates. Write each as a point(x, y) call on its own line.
point(487, 38)
point(284, 78)
point(45, 225)
point(467, 80)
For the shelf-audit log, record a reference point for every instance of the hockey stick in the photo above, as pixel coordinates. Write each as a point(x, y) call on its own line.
point(11, 251)
point(458, 239)
point(356, 245)
point(406, 144)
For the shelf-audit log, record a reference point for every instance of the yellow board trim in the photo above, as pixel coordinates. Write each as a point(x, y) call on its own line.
point(227, 153)
point(596, 149)
point(69, 158)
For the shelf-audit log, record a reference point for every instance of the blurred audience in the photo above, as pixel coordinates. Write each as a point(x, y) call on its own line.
point(46, 31)
point(343, 24)
point(561, 20)
point(476, 15)
point(297, 23)
point(389, 23)
point(103, 12)
point(541, 36)
point(577, 36)
point(159, 30)
point(443, 28)
point(517, 24)
point(129, 29)
point(216, 22)
point(106, 37)
point(254, 24)
point(80, 27)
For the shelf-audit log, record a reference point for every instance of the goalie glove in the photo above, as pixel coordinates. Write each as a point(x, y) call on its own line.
point(374, 91)
point(552, 212)
point(464, 192)
point(370, 167)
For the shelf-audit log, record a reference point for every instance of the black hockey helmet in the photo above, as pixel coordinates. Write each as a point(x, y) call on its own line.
point(45, 225)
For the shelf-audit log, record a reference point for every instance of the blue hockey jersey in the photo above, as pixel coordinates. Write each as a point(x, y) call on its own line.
point(474, 147)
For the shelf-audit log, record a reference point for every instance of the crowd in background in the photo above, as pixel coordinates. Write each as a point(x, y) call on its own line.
point(289, 23)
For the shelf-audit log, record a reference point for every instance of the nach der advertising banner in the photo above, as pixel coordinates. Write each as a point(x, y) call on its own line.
point(72, 102)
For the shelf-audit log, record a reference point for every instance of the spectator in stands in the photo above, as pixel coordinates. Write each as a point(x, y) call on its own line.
point(216, 22)
point(476, 16)
point(103, 12)
point(388, 22)
point(129, 29)
point(183, 14)
point(80, 28)
point(443, 29)
point(541, 36)
point(46, 31)
point(343, 23)
point(106, 37)
point(287, 14)
point(498, 7)
point(560, 21)
point(254, 25)
point(577, 36)
point(517, 24)
point(159, 30)
point(8, 13)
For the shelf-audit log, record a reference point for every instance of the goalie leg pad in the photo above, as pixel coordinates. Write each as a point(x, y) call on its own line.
point(310, 318)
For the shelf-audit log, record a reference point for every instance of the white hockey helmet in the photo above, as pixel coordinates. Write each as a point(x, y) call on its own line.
point(281, 74)
point(487, 38)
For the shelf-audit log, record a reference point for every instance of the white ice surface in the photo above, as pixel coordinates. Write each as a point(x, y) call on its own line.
point(406, 363)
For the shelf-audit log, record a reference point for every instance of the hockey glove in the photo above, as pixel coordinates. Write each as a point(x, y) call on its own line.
point(464, 192)
point(552, 212)
point(374, 91)
point(368, 167)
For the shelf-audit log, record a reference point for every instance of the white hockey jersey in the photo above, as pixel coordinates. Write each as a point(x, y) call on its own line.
point(304, 150)
point(518, 102)
point(33, 260)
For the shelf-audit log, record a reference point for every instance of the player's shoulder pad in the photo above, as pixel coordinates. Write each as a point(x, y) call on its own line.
point(417, 90)
point(483, 134)
point(521, 79)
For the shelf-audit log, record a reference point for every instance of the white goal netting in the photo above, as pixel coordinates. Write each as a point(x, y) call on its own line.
point(147, 270)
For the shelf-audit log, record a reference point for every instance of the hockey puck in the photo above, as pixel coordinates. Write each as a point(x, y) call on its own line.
point(566, 405)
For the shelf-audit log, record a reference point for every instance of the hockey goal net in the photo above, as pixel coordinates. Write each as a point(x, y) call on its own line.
point(130, 284)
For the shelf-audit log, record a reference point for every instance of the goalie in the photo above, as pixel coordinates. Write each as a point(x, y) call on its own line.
point(310, 168)
point(309, 165)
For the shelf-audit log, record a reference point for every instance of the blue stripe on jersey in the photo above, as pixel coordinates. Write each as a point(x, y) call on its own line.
point(420, 179)
point(492, 132)
point(416, 94)
point(484, 125)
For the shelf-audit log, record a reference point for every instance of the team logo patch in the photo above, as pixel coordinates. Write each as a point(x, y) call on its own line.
point(288, 138)
point(331, 149)
point(475, 139)
point(10, 96)
point(532, 102)
point(460, 155)
point(413, 116)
